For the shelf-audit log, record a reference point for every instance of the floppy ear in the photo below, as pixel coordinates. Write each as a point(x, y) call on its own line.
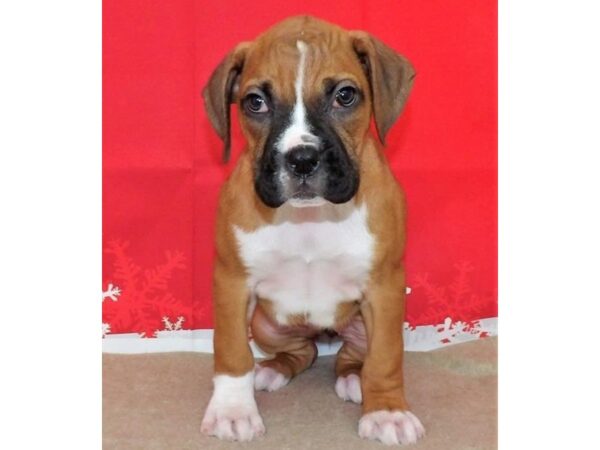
point(390, 77)
point(220, 91)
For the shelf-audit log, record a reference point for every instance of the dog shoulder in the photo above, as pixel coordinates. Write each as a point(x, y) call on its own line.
point(239, 208)
point(386, 204)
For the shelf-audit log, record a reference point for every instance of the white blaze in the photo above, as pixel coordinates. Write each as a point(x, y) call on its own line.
point(298, 132)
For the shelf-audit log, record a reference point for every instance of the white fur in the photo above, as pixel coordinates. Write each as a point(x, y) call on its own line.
point(309, 260)
point(391, 427)
point(232, 413)
point(348, 388)
point(298, 132)
point(268, 379)
point(306, 203)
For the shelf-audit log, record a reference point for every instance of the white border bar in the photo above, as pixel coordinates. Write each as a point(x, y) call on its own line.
point(418, 339)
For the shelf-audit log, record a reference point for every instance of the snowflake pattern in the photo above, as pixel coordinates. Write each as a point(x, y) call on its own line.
point(450, 331)
point(105, 329)
point(112, 292)
point(455, 300)
point(169, 326)
point(145, 296)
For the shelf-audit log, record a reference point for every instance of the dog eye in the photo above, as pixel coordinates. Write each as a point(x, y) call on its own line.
point(256, 104)
point(345, 97)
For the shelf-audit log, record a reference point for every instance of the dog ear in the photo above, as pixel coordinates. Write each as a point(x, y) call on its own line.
point(220, 92)
point(390, 77)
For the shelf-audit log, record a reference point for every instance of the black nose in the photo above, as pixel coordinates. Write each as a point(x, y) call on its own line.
point(302, 161)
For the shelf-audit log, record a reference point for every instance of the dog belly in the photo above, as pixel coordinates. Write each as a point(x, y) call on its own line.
point(349, 326)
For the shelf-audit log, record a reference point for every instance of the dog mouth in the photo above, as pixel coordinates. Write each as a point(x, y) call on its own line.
point(305, 196)
point(304, 192)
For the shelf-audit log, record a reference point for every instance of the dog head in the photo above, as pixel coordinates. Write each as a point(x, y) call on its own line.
point(306, 91)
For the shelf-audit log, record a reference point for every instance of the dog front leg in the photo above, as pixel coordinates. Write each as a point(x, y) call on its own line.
point(385, 411)
point(232, 412)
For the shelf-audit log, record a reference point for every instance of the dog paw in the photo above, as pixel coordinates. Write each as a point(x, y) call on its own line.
point(233, 423)
point(232, 413)
point(268, 379)
point(391, 427)
point(348, 388)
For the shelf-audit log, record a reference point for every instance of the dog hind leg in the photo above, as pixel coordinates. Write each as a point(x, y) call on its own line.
point(293, 348)
point(350, 359)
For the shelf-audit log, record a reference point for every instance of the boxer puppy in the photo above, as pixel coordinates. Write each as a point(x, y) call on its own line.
point(310, 228)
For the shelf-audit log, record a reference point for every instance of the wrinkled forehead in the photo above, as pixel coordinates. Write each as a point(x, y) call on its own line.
point(320, 57)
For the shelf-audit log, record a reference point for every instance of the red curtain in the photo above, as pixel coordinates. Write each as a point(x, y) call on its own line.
point(162, 167)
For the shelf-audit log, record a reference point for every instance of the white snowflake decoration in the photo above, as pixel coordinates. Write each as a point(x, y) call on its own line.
point(105, 329)
point(445, 330)
point(458, 328)
point(169, 326)
point(112, 292)
point(455, 331)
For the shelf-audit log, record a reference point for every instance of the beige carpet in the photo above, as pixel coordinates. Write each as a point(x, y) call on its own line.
point(156, 401)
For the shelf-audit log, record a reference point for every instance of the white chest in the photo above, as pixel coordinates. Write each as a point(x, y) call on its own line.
point(309, 260)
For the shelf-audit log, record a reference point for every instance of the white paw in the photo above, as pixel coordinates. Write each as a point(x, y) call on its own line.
point(232, 413)
point(391, 427)
point(348, 388)
point(268, 379)
point(233, 423)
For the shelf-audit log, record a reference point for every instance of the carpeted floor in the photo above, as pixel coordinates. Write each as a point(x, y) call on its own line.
point(156, 401)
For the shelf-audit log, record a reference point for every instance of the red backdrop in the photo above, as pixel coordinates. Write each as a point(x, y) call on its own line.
point(162, 167)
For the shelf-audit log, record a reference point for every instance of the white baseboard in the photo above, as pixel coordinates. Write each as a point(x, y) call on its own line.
point(417, 339)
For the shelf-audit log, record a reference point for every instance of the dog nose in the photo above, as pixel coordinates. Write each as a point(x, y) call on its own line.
point(303, 161)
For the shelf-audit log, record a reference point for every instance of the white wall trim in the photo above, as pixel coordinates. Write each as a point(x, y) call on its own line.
point(417, 339)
